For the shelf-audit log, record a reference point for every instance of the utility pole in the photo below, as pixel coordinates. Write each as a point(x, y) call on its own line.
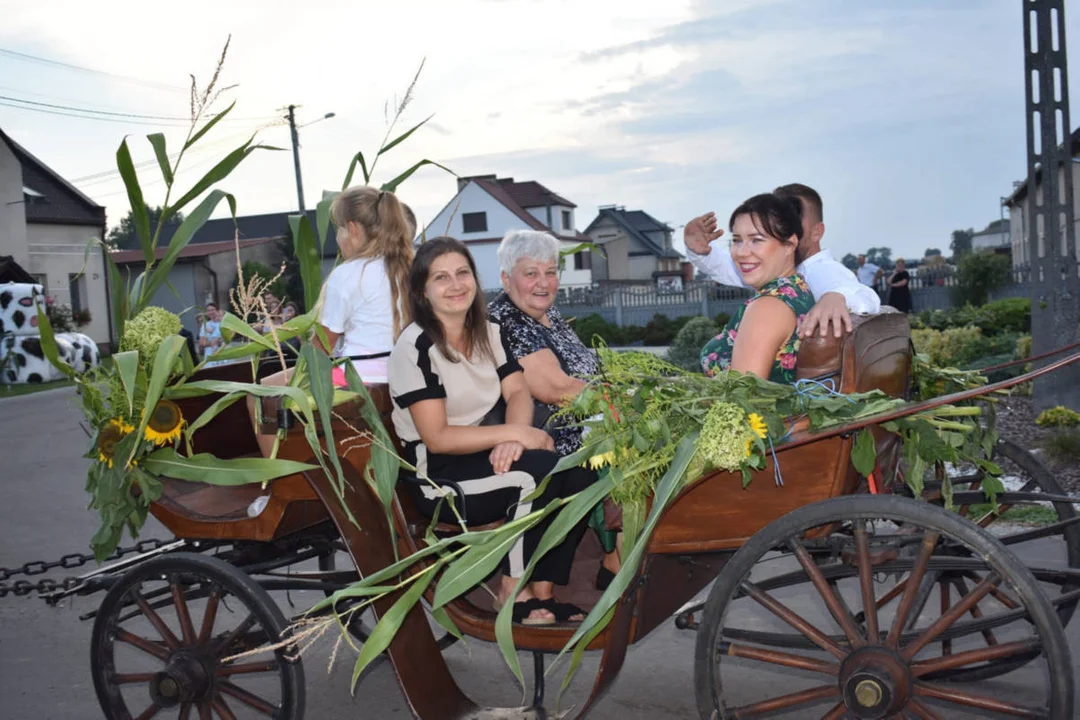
point(1055, 287)
point(296, 158)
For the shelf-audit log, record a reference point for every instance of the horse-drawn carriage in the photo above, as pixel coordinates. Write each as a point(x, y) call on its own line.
point(842, 598)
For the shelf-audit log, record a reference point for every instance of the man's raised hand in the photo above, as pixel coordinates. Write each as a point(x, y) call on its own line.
point(701, 231)
point(830, 309)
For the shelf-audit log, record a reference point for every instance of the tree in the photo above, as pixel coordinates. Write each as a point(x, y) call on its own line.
point(850, 261)
point(124, 237)
point(961, 243)
point(931, 252)
point(882, 256)
point(979, 274)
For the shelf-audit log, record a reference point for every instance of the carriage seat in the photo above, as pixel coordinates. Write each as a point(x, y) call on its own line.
point(876, 355)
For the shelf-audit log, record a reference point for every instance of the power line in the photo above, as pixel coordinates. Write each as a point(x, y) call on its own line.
point(128, 121)
point(118, 114)
point(69, 66)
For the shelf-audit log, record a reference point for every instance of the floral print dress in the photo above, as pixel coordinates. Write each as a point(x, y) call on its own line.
point(795, 293)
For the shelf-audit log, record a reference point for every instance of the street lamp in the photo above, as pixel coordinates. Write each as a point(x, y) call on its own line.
point(296, 151)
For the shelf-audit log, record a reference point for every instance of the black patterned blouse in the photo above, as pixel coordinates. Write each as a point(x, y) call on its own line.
point(525, 335)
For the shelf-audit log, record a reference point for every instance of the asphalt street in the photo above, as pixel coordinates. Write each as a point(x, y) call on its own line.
point(44, 651)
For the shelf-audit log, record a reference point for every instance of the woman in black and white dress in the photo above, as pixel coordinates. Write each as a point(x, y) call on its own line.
point(447, 372)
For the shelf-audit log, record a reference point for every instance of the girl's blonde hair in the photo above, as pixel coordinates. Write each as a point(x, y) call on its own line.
point(388, 236)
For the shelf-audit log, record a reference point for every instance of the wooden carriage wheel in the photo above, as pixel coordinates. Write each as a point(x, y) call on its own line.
point(165, 638)
point(887, 665)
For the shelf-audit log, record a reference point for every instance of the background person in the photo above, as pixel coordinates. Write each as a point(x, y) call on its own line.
point(210, 339)
point(867, 272)
point(363, 308)
point(448, 370)
point(762, 336)
point(836, 291)
point(900, 288)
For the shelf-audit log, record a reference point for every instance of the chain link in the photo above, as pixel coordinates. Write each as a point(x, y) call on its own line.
point(71, 561)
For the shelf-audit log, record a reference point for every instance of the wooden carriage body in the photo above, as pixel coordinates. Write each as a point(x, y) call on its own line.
point(695, 536)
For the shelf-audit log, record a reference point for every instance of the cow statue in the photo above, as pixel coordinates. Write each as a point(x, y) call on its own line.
point(22, 359)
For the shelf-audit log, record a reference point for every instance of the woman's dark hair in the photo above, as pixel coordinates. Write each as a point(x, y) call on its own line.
point(477, 340)
point(779, 217)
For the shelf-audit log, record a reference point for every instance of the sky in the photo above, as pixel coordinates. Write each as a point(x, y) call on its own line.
point(907, 117)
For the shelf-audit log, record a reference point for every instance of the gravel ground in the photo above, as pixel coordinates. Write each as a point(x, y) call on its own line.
point(1016, 421)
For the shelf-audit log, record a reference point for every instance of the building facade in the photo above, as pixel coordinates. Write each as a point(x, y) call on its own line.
point(46, 225)
point(636, 247)
point(486, 207)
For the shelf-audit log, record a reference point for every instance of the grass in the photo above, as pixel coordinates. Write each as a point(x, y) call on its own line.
point(1062, 445)
point(30, 388)
point(1023, 514)
point(7, 391)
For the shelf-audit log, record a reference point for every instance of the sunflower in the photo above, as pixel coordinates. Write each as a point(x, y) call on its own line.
point(109, 437)
point(598, 461)
point(757, 424)
point(165, 423)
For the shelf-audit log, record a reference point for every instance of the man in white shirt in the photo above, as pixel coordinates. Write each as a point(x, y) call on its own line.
point(837, 291)
point(868, 272)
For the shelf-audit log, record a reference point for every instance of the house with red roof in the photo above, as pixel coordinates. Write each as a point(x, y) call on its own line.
point(486, 207)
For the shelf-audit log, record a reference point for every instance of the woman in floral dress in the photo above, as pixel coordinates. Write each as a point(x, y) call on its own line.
point(762, 337)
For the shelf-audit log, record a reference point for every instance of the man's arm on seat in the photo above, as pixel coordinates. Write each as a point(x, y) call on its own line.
point(838, 293)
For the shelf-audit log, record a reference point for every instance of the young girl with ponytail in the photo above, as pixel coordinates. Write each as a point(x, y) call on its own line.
point(364, 305)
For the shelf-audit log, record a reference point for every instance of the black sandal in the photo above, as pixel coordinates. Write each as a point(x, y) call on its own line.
point(604, 578)
point(523, 609)
point(563, 611)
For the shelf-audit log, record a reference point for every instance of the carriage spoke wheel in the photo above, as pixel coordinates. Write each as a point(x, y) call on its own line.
point(779, 637)
point(168, 640)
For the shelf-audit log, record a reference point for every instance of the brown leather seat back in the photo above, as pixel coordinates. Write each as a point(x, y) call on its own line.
point(876, 355)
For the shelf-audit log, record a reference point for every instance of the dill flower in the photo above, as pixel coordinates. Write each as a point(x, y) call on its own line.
point(727, 435)
point(165, 423)
point(146, 331)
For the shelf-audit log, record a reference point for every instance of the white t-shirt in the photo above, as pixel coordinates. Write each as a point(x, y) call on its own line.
point(823, 273)
point(358, 306)
point(867, 273)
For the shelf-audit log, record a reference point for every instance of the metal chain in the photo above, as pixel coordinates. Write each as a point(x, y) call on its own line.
point(67, 562)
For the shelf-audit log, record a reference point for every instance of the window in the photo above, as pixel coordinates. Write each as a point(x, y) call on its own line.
point(43, 280)
point(474, 222)
point(583, 260)
point(77, 286)
point(566, 220)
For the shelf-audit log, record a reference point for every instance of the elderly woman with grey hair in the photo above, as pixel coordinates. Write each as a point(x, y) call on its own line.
point(554, 359)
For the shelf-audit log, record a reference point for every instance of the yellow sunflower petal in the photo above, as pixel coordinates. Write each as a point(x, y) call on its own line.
point(165, 423)
point(758, 425)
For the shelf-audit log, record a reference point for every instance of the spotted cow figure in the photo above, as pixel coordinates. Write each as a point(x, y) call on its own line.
point(22, 359)
point(18, 308)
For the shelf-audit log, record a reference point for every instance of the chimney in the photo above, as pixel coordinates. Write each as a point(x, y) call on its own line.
point(463, 181)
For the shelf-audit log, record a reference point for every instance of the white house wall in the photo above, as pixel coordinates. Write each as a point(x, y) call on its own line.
point(59, 251)
point(474, 198)
point(12, 208)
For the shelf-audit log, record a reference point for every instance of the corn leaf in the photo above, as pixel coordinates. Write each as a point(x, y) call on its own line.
point(234, 324)
point(218, 173)
point(207, 468)
point(118, 295)
point(358, 158)
point(574, 512)
point(127, 366)
point(198, 217)
point(48, 343)
point(209, 124)
point(392, 186)
point(164, 362)
point(391, 622)
point(322, 221)
point(440, 616)
point(322, 390)
point(384, 463)
point(135, 198)
point(309, 258)
point(403, 136)
point(158, 141)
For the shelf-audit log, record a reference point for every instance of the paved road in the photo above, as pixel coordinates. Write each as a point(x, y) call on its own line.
point(44, 652)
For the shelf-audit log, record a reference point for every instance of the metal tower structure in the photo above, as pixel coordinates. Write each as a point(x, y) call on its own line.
point(1055, 285)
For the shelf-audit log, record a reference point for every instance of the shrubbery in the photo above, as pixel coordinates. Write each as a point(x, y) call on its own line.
point(979, 274)
point(685, 351)
point(661, 330)
point(1059, 416)
point(1001, 316)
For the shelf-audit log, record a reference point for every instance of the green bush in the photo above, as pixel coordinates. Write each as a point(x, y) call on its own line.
point(592, 326)
point(979, 274)
point(685, 351)
point(1023, 347)
point(1001, 316)
point(721, 320)
point(659, 331)
point(1059, 416)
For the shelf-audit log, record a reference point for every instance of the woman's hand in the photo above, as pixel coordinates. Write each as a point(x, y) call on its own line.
point(504, 455)
point(532, 438)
